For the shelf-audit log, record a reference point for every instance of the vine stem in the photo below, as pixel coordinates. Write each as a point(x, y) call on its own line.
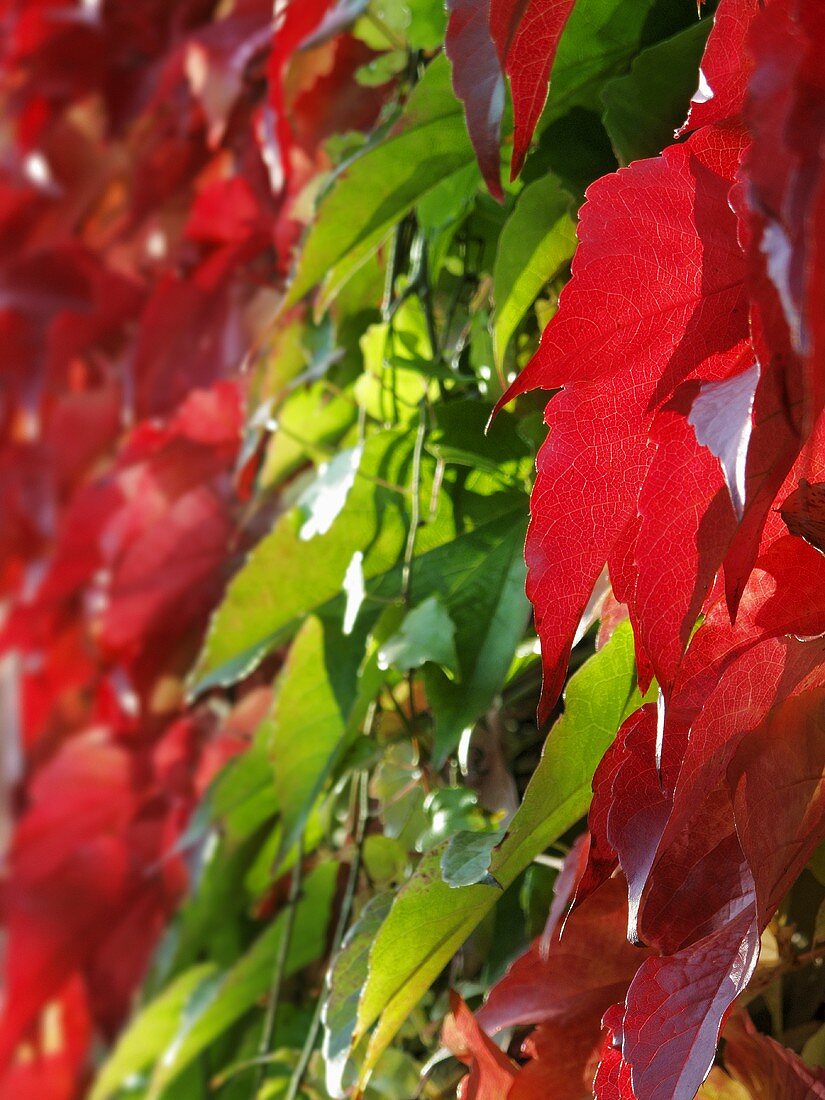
point(361, 815)
point(816, 954)
point(415, 503)
point(268, 1031)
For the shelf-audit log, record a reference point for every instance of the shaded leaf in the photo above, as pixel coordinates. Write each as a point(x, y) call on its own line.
point(347, 975)
point(643, 108)
point(427, 633)
point(466, 859)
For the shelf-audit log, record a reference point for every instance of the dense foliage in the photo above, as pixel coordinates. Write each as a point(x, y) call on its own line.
point(280, 821)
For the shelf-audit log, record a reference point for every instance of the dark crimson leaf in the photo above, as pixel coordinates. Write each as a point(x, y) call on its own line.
point(783, 211)
point(766, 1068)
point(564, 983)
point(674, 1008)
point(804, 513)
point(579, 974)
point(622, 818)
point(478, 82)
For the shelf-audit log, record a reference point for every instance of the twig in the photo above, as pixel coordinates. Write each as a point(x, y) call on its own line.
point(411, 694)
point(415, 503)
point(408, 726)
point(426, 295)
point(268, 1032)
point(393, 269)
point(816, 954)
point(360, 784)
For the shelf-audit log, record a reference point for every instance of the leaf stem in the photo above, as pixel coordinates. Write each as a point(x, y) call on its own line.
point(388, 32)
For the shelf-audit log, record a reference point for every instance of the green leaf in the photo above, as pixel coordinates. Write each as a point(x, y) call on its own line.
point(150, 1033)
point(242, 796)
point(426, 634)
point(449, 200)
point(306, 729)
point(310, 420)
point(428, 22)
point(286, 579)
point(450, 810)
point(397, 788)
point(600, 40)
point(385, 859)
point(376, 189)
point(538, 239)
point(347, 977)
point(323, 693)
point(487, 603)
point(644, 107)
point(429, 921)
point(460, 437)
point(232, 994)
point(467, 857)
point(323, 499)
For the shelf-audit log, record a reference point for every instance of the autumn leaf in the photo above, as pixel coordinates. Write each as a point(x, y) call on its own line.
point(677, 311)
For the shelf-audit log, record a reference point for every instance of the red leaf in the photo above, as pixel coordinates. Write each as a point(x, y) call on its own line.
point(325, 98)
point(56, 1056)
point(491, 1071)
point(723, 74)
point(169, 578)
point(478, 83)
point(674, 1009)
point(566, 986)
point(294, 25)
point(678, 550)
point(562, 1063)
point(785, 113)
point(217, 55)
point(708, 839)
point(70, 875)
point(526, 34)
point(642, 314)
point(613, 1076)
point(732, 845)
point(629, 809)
point(766, 1069)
